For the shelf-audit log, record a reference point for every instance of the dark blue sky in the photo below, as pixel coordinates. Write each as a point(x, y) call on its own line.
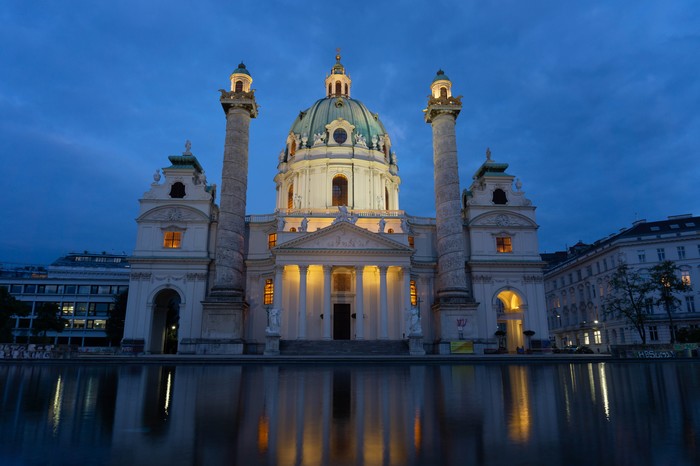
point(595, 105)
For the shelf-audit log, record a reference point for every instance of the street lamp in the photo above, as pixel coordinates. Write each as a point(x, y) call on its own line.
point(605, 333)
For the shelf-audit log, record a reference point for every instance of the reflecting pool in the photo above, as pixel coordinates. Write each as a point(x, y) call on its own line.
point(458, 414)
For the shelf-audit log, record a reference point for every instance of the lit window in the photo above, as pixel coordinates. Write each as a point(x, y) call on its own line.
point(411, 241)
point(272, 240)
point(414, 293)
point(290, 197)
point(596, 337)
point(340, 191)
point(172, 239)
point(293, 149)
point(685, 277)
point(504, 244)
point(269, 292)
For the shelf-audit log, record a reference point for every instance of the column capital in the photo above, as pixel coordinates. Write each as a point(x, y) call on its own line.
point(436, 111)
point(239, 100)
point(303, 268)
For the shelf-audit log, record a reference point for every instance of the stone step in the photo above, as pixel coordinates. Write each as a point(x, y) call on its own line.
point(336, 347)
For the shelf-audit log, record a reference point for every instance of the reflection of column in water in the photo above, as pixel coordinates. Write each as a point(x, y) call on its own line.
point(417, 374)
point(326, 415)
point(386, 423)
point(518, 405)
point(299, 417)
point(359, 390)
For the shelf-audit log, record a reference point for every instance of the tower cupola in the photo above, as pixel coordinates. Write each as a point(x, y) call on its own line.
point(441, 86)
point(241, 79)
point(338, 82)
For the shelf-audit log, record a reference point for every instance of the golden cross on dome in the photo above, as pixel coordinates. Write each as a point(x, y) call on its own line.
point(337, 54)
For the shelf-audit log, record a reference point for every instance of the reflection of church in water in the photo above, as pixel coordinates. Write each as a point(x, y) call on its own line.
point(338, 259)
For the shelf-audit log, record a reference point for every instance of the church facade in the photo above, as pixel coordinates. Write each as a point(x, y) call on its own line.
point(338, 259)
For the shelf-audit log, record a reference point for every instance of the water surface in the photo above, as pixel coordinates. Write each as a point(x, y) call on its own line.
point(486, 414)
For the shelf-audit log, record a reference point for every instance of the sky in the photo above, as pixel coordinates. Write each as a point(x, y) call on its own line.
point(595, 105)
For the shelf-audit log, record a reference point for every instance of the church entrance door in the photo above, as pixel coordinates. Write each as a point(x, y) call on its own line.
point(341, 321)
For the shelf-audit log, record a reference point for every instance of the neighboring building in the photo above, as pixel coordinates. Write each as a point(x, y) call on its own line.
point(82, 285)
point(337, 259)
point(577, 283)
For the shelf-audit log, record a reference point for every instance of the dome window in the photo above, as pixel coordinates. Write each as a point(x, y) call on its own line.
point(499, 197)
point(239, 86)
point(290, 197)
point(386, 199)
point(340, 136)
point(338, 88)
point(292, 148)
point(340, 191)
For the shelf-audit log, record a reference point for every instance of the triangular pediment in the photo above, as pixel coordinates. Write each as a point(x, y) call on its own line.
point(344, 236)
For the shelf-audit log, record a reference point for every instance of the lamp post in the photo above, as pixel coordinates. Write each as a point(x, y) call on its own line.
point(606, 341)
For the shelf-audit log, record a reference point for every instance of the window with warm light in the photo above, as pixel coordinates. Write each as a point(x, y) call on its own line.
point(269, 292)
point(172, 239)
point(597, 337)
point(414, 293)
point(412, 241)
point(685, 277)
point(271, 240)
point(504, 244)
point(340, 191)
point(290, 197)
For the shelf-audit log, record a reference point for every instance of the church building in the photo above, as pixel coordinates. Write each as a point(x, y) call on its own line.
point(337, 259)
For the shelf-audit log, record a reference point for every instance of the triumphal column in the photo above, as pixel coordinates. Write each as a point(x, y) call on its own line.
point(454, 300)
point(224, 308)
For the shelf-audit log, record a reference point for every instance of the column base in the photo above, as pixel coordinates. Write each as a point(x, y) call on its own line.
point(222, 316)
point(205, 346)
point(447, 311)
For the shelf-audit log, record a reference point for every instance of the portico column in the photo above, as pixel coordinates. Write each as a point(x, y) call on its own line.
point(326, 302)
point(301, 332)
point(359, 304)
point(406, 298)
point(383, 311)
point(277, 296)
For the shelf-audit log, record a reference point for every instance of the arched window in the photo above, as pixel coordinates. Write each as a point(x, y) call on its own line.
point(338, 88)
point(330, 89)
point(239, 86)
point(499, 197)
point(386, 199)
point(290, 197)
point(414, 293)
point(346, 89)
point(340, 190)
point(269, 292)
point(443, 92)
point(292, 148)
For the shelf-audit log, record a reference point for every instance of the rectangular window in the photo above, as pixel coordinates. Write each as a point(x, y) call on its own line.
point(271, 240)
point(172, 239)
point(70, 289)
point(589, 271)
point(81, 309)
point(586, 339)
point(578, 274)
point(642, 256)
point(84, 289)
point(30, 289)
point(414, 293)
point(504, 244)
point(67, 309)
point(653, 333)
point(661, 254)
point(15, 289)
point(597, 266)
point(104, 289)
point(99, 324)
point(99, 309)
point(269, 292)
point(681, 252)
point(685, 277)
point(79, 323)
point(411, 241)
point(690, 303)
point(649, 306)
point(596, 337)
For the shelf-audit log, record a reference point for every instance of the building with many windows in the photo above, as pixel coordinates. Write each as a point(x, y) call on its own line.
point(576, 283)
point(83, 286)
point(337, 259)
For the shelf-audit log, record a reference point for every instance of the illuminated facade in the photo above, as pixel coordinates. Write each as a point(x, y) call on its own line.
point(337, 259)
point(577, 285)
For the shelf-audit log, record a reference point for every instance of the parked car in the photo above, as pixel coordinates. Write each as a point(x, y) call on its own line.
point(583, 350)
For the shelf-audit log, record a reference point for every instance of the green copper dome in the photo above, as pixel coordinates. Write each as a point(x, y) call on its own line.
point(441, 76)
point(241, 69)
point(324, 111)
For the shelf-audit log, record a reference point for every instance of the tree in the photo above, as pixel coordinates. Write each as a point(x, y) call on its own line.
point(9, 308)
point(665, 282)
point(47, 318)
point(629, 295)
point(114, 328)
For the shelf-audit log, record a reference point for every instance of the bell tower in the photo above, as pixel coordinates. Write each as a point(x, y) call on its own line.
point(338, 82)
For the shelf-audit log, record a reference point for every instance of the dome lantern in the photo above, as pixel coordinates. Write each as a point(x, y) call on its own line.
point(338, 82)
point(241, 79)
point(441, 86)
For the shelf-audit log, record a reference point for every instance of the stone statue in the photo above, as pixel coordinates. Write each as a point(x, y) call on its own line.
point(488, 154)
point(304, 138)
point(414, 325)
point(394, 159)
point(360, 140)
point(319, 138)
point(343, 215)
point(382, 225)
point(156, 176)
point(518, 184)
point(404, 225)
point(280, 224)
point(280, 158)
point(188, 147)
point(297, 201)
point(304, 225)
point(374, 142)
point(273, 322)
